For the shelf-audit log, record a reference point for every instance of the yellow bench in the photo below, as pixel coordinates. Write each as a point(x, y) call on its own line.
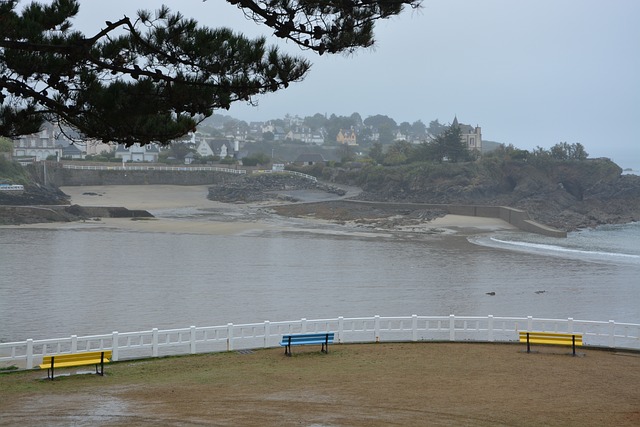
point(554, 338)
point(98, 358)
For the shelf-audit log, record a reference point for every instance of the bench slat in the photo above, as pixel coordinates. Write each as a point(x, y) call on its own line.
point(551, 341)
point(72, 363)
point(76, 357)
point(551, 338)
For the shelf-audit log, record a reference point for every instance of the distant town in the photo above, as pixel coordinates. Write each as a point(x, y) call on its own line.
point(225, 139)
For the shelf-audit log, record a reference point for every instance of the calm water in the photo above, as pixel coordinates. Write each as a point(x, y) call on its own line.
point(56, 283)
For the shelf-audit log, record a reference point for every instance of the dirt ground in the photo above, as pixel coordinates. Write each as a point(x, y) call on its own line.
point(389, 384)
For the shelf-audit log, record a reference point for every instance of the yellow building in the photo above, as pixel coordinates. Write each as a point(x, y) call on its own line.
point(347, 137)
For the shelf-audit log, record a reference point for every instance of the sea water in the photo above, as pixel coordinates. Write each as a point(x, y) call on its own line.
point(59, 282)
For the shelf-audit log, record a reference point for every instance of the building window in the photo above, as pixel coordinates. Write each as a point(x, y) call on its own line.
point(472, 142)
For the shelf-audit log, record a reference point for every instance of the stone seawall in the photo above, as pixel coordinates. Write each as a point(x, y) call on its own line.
point(57, 175)
point(516, 217)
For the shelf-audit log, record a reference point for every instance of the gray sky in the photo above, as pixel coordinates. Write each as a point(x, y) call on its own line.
point(529, 72)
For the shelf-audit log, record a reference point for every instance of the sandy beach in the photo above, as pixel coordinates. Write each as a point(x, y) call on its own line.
point(172, 205)
point(174, 208)
point(148, 197)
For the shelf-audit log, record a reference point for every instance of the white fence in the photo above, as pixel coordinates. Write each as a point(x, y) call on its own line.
point(300, 174)
point(192, 340)
point(157, 168)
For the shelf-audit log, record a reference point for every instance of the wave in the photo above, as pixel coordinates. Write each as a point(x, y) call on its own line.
point(604, 246)
point(555, 248)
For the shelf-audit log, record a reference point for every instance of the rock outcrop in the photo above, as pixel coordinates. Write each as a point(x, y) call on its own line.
point(564, 195)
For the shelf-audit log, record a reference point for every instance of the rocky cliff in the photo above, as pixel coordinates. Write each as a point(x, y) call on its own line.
point(565, 195)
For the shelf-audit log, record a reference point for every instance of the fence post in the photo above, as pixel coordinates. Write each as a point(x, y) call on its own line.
point(114, 346)
point(29, 353)
point(414, 327)
point(267, 333)
point(303, 325)
point(490, 328)
point(612, 333)
point(74, 343)
point(154, 342)
point(229, 336)
point(570, 325)
point(192, 339)
point(529, 323)
point(452, 327)
point(340, 328)
point(376, 327)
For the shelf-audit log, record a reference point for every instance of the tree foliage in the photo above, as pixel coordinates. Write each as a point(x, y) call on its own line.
point(562, 151)
point(436, 128)
point(376, 153)
point(566, 151)
point(400, 152)
point(155, 77)
point(6, 146)
point(448, 145)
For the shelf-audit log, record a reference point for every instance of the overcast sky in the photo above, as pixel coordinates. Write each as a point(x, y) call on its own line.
point(529, 72)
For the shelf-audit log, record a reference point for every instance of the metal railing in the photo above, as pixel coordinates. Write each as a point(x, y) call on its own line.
point(192, 340)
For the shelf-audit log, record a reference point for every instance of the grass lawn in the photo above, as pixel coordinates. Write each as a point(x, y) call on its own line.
point(402, 384)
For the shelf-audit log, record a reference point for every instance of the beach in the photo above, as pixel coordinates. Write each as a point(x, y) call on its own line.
point(169, 203)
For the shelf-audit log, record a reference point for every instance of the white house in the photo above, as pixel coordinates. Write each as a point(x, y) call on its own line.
point(41, 145)
point(215, 147)
point(305, 135)
point(137, 153)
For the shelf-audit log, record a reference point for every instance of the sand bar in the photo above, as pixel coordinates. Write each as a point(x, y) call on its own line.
point(173, 207)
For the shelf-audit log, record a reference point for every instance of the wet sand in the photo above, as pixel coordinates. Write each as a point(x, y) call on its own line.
point(174, 207)
point(166, 201)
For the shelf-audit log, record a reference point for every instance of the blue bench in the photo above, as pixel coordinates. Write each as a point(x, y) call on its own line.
point(324, 338)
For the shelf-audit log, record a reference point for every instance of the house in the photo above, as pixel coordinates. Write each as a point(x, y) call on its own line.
point(93, 147)
point(279, 134)
point(189, 158)
point(55, 141)
point(347, 137)
point(215, 147)
point(39, 146)
point(309, 159)
point(72, 152)
point(472, 137)
point(306, 135)
point(137, 153)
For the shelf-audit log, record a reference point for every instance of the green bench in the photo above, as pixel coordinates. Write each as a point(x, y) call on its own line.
point(552, 338)
point(323, 338)
point(98, 358)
